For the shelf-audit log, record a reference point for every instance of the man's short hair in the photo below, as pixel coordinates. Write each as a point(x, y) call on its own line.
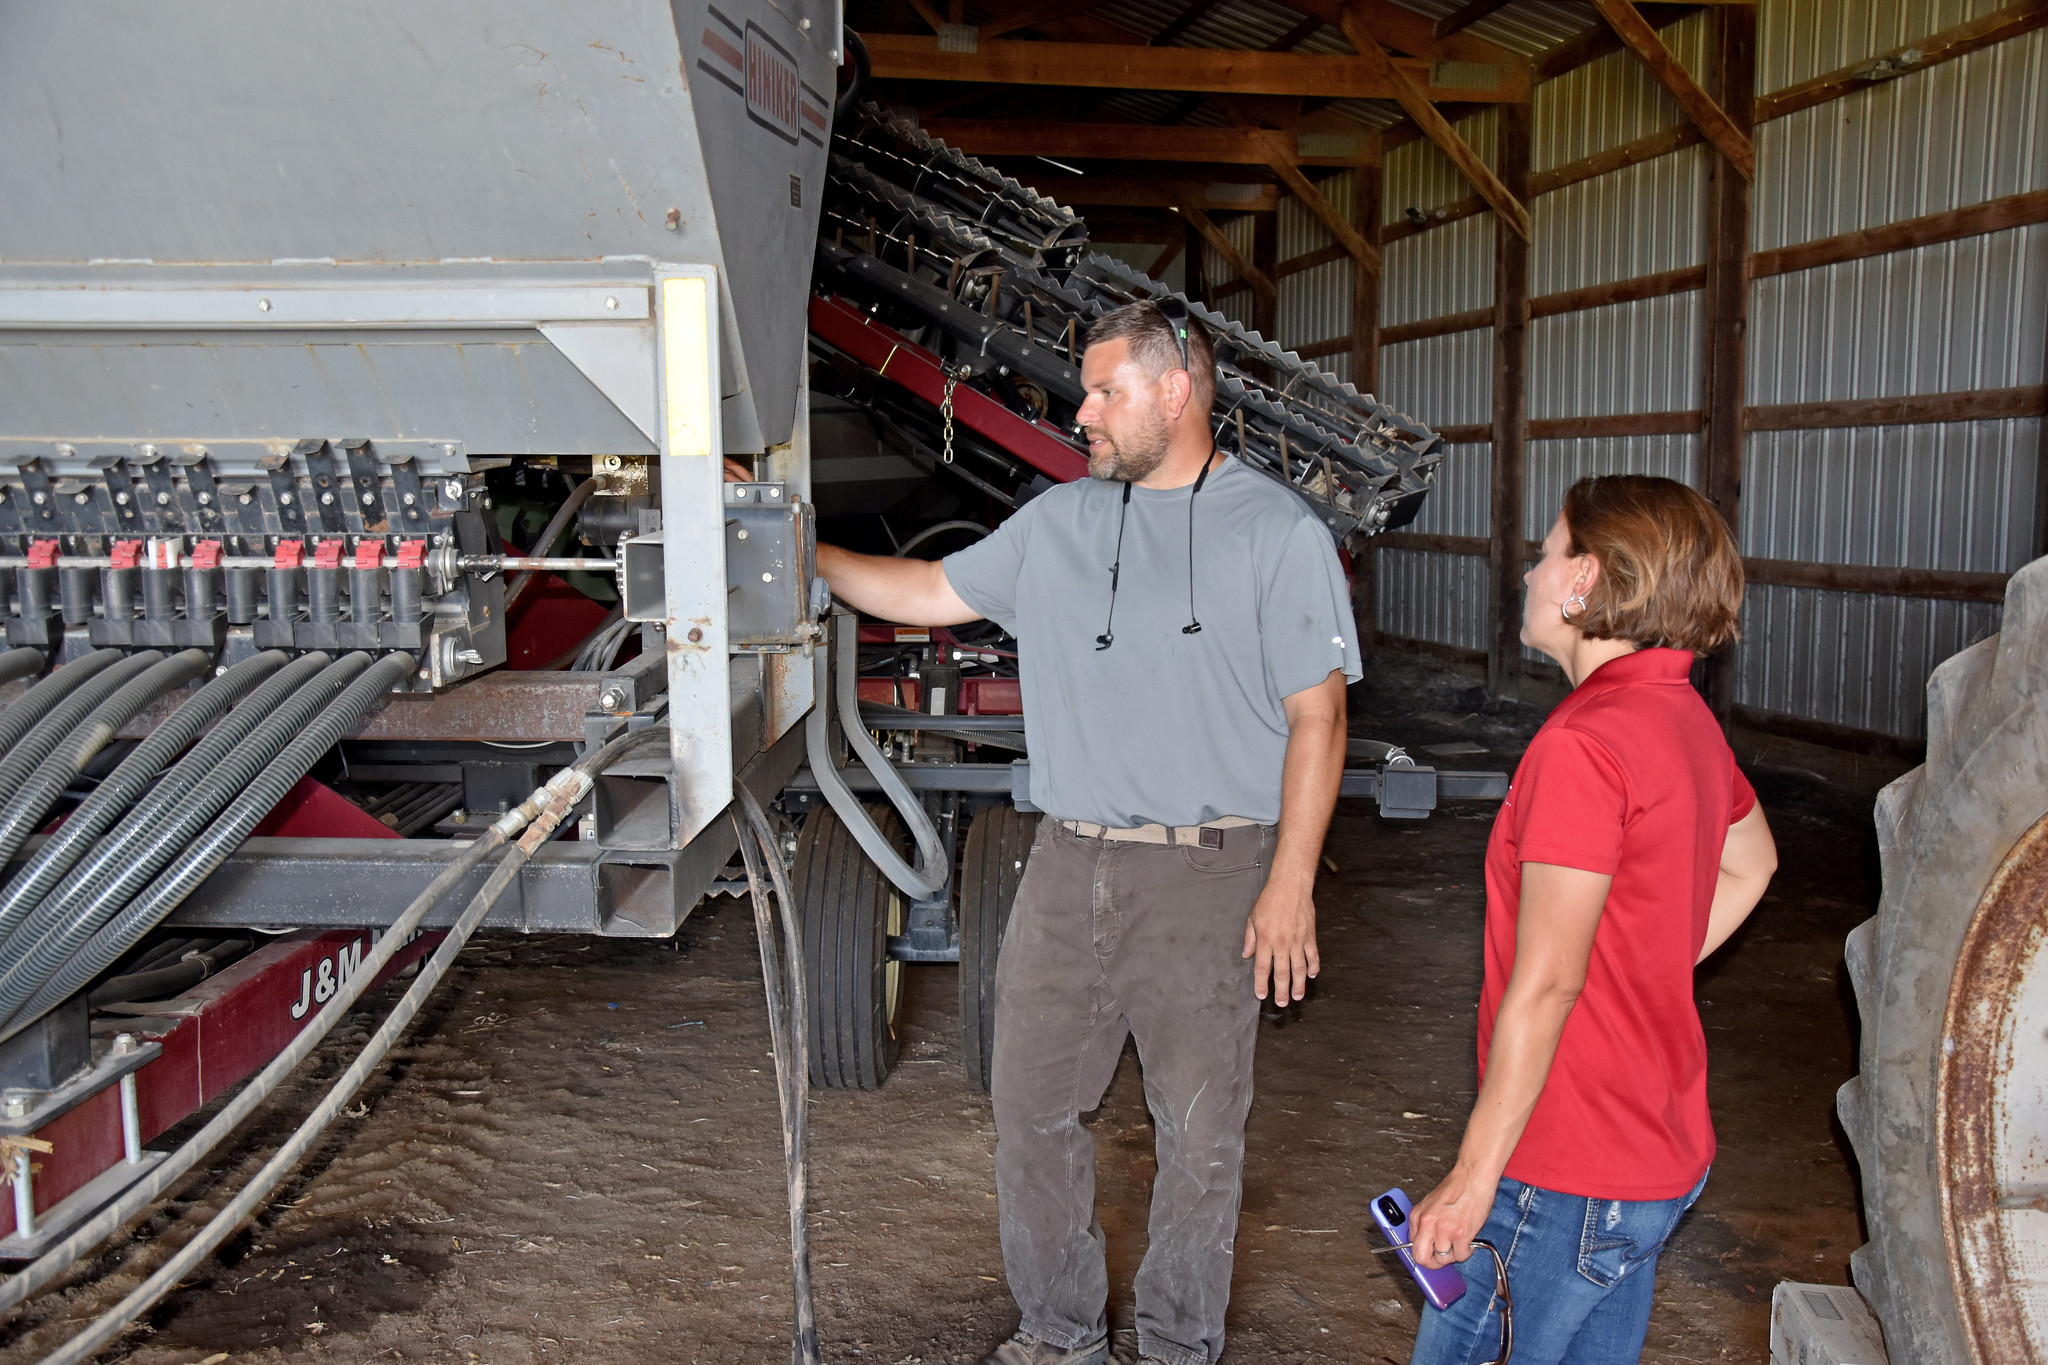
point(1154, 348)
point(1669, 571)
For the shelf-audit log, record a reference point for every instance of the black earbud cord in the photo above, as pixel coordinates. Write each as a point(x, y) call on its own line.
point(1194, 625)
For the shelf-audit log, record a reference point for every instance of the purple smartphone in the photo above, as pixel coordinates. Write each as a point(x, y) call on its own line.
point(1441, 1286)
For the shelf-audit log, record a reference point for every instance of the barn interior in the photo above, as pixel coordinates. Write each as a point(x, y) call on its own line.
point(453, 773)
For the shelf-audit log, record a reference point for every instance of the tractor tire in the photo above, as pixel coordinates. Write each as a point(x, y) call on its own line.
point(849, 910)
point(998, 849)
point(1951, 980)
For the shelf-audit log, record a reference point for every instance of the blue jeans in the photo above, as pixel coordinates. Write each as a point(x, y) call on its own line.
point(1582, 1272)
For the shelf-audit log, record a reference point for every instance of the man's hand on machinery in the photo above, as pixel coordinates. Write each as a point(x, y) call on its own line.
point(1281, 938)
point(911, 592)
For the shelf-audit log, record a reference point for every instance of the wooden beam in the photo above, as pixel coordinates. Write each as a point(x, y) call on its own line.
point(1510, 413)
point(1133, 142)
point(1166, 257)
point(1182, 22)
point(1365, 292)
point(1726, 297)
point(928, 14)
point(1113, 66)
point(1213, 235)
point(1365, 253)
point(1033, 16)
point(1403, 30)
point(1266, 255)
point(1466, 15)
point(1994, 215)
point(1945, 46)
point(1729, 135)
point(1144, 192)
point(1416, 101)
point(1952, 585)
point(1964, 405)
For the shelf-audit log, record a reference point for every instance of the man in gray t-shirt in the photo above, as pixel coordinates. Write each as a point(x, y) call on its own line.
point(1185, 636)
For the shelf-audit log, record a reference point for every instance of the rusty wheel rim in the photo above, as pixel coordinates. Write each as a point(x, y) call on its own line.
point(1992, 1113)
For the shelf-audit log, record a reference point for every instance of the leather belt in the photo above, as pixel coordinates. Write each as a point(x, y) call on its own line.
point(1206, 835)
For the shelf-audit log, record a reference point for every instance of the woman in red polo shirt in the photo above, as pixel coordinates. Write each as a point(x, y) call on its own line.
point(1629, 848)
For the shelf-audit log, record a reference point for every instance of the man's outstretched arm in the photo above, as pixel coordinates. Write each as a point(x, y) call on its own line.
point(911, 592)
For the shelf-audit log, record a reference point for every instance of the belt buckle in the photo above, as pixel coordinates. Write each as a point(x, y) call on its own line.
point(1210, 838)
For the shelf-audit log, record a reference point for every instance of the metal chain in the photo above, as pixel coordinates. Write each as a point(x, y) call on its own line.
point(946, 410)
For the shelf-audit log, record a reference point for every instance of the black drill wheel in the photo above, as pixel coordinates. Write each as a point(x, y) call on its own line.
point(998, 848)
point(849, 910)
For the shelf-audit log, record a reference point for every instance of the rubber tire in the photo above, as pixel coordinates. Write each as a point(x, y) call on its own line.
point(855, 991)
point(998, 850)
point(1942, 829)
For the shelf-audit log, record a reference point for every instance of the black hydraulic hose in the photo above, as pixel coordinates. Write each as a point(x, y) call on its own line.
point(21, 663)
point(186, 971)
point(120, 788)
point(204, 781)
point(25, 810)
point(545, 809)
point(46, 734)
point(550, 533)
point(789, 1033)
point(197, 862)
point(863, 70)
point(32, 705)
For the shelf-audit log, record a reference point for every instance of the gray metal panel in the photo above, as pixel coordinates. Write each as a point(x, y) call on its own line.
point(1444, 381)
point(361, 131)
point(1428, 596)
point(1627, 357)
point(1460, 505)
point(1554, 466)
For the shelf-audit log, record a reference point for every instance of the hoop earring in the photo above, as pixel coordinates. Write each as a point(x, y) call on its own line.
point(1564, 608)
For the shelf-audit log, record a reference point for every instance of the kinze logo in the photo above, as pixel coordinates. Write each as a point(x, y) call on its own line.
point(772, 89)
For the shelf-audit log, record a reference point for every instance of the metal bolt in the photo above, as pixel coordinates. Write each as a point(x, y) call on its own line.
point(245, 499)
point(206, 499)
point(284, 500)
point(163, 500)
point(611, 700)
point(120, 499)
point(327, 498)
point(81, 498)
point(124, 1043)
point(148, 451)
point(263, 305)
point(611, 303)
point(674, 221)
point(767, 578)
point(740, 492)
point(426, 675)
point(453, 488)
point(369, 499)
point(469, 656)
point(407, 499)
point(696, 636)
point(17, 1105)
point(743, 533)
point(66, 449)
point(38, 498)
point(775, 493)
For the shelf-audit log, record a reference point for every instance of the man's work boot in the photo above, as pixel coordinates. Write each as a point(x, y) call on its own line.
point(1025, 1349)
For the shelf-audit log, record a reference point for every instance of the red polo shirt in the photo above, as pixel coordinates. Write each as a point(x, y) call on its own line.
point(1629, 777)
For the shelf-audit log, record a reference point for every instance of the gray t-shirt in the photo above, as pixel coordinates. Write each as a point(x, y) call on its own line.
point(1163, 727)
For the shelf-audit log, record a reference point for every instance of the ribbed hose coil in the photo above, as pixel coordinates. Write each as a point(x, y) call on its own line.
point(46, 734)
point(192, 793)
point(31, 706)
point(33, 797)
point(21, 663)
point(199, 861)
point(122, 787)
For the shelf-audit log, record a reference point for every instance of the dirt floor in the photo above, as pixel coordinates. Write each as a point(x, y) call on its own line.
point(576, 1154)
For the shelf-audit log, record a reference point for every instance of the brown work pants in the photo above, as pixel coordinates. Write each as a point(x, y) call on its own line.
point(1109, 940)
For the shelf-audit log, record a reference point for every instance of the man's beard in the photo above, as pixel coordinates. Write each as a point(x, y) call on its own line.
point(1134, 459)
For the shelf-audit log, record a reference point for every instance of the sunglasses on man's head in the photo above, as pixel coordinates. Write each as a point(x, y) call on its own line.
point(1175, 311)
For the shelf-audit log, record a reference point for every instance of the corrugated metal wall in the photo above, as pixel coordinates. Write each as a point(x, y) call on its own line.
point(1964, 315)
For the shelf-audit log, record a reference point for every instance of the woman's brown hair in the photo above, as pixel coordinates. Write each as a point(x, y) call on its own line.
point(1669, 572)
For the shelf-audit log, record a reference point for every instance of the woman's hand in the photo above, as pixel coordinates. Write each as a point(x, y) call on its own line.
point(1441, 1229)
